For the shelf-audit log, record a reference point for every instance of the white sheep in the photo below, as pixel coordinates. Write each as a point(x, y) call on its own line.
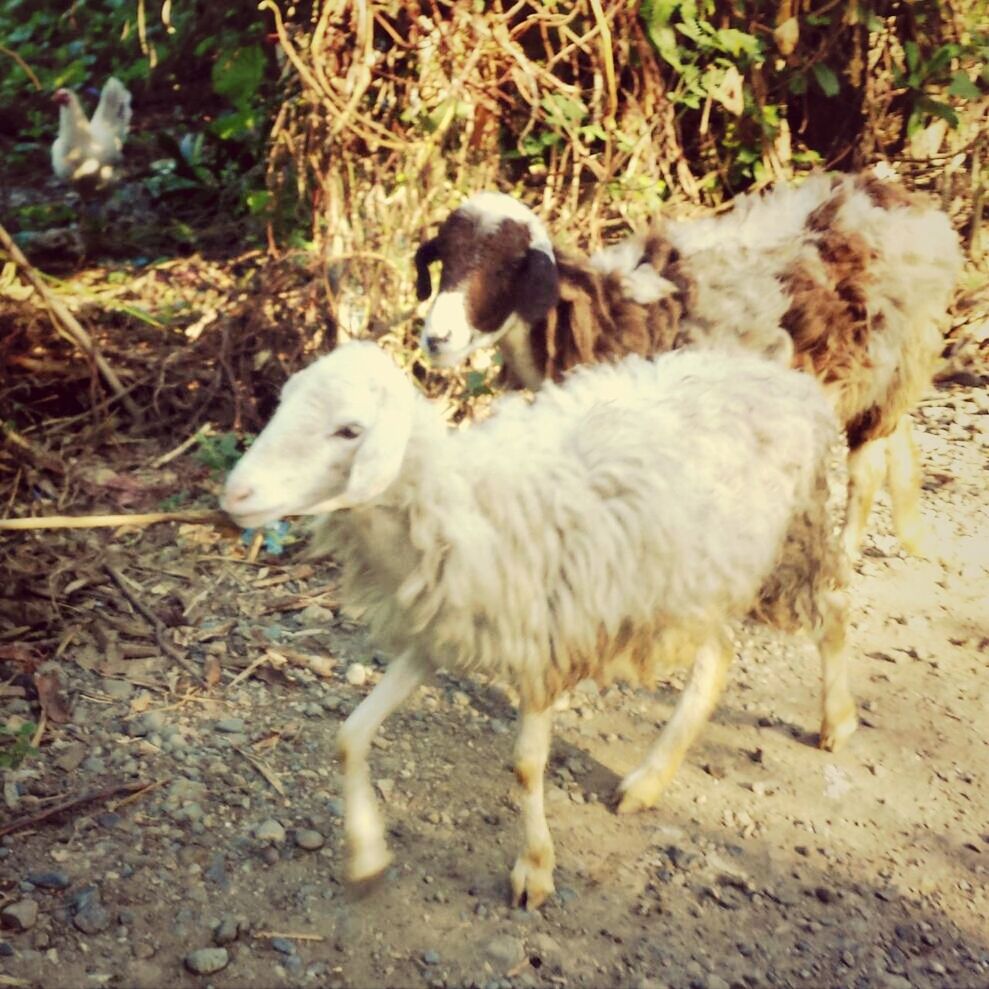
point(610, 528)
point(843, 276)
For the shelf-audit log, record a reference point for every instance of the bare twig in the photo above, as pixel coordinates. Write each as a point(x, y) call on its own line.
point(264, 770)
point(167, 458)
point(27, 68)
point(203, 516)
point(67, 321)
point(94, 796)
point(37, 454)
point(156, 623)
point(291, 935)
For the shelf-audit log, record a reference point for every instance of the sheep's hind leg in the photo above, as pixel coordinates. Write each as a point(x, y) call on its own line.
point(866, 468)
point(532, 876)
point(642, 787)
point(368, 854)
point(903, 478)
point(838, 719)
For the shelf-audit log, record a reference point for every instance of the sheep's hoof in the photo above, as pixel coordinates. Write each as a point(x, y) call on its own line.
point(367, 867)
point(359, 889)
point(924, 546)
point(638, 791)
point(531, 884)
point(835, 734)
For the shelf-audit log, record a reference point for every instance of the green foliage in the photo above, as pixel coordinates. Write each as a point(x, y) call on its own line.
point(746, 79)
point(221, 451)
point(15, 744)
point(194, 69)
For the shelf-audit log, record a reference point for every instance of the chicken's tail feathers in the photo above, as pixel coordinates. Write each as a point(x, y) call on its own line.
point(114, 110)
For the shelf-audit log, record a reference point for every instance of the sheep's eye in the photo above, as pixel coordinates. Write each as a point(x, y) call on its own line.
point(350, 432)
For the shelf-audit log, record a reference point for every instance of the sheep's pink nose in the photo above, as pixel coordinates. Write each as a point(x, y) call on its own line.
point(237, 494)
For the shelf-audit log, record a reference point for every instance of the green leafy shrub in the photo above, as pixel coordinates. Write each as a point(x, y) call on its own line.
point(15, 744)
point(221, 451)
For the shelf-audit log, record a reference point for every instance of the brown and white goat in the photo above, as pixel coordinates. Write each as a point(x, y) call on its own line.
point(845, 276)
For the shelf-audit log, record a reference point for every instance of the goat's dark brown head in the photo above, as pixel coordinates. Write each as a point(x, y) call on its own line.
point(498, 269)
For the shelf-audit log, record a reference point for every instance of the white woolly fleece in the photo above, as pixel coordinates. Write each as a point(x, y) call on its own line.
point(635, 501)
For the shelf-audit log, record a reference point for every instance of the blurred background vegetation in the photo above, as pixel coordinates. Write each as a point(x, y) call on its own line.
point(298, 152)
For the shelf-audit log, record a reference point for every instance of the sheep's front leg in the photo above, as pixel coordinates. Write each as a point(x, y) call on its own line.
point(903, 478)
point(368, 854)
point(532, 877)
point(642, 787)
point(838, 720)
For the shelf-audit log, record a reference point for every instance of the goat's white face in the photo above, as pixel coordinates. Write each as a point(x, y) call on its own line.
point(498, 268)
point(337, 440)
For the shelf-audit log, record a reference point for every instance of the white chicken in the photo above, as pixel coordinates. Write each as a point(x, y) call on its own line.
point(88, 153)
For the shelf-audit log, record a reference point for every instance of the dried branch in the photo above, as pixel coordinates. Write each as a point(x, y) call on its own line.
point(67, 322)
point(203, 516)
point(73, 803)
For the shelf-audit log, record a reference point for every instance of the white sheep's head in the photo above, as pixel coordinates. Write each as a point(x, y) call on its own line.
point(336, 440)
point(498, 266)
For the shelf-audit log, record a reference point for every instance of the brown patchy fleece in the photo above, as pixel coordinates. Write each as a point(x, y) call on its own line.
point(595, 321)
point(828, 318)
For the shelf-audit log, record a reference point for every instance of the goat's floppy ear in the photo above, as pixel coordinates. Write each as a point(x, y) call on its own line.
point(379, 458)
point(425, 256)
point(537, 286)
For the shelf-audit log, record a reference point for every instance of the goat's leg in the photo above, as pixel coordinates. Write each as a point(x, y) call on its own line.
point(532, 876)
point(367, 851)
point(838, 719)
point(866, 469)
point(642, 787)
point(903, 478)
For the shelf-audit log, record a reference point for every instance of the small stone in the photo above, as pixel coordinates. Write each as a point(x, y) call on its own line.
point(936, 967)
point(226, 931)
point(206, 961)
point(759, 788)
point(848, 959)
point(546, 949)
point(6, 950)
point(49, 880)
point(566, 894)
point(270, 831)
point(283, 945)
point(356, 674)
point(147, 724)
point(72, 757)
point(892, 981)
point(230, 726)
point(309, 840)
point(824, 894)
point(504, 952)
point(386, 787)
point(217, 871)
point(119, 690)
point(91, 918)
point(335, 807)
point(431, 957)
point(20, 916)
point(315, 614)
point(143, 951)
point(716, 982)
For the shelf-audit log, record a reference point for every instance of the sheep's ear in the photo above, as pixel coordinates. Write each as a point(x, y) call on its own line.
point(537, 286)
point(425, 256)
point(379, 459)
